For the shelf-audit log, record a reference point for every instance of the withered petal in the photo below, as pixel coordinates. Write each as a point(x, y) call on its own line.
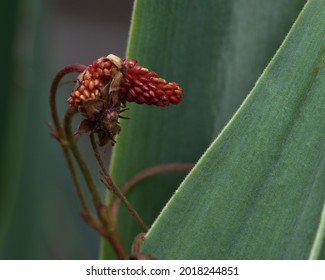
point(85, 126)
point(91, 108)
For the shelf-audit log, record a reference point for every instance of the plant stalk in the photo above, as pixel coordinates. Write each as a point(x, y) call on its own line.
point(59, 132)
point(111, 185)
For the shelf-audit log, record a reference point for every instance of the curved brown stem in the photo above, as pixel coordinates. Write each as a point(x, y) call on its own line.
point(157, 169)
point(111, 236)
point(59, 132)
point(57, 79)
point(107, 227)
point(81, 162)
point(104, 225)
point(109, 183)
point(116, 245)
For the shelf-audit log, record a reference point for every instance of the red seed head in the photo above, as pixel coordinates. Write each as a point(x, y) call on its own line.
point(122, 80)
point(143, 86)
point(92, 82)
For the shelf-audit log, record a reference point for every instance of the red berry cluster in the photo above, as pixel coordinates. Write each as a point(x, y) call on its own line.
point(91, 82)
point(102, 89)
point(133, 82)
point(143, 86)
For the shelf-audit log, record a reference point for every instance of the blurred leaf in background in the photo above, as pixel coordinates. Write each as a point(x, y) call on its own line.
point(39, 210)
point(8, 24)
point(39, 200)
point(215, 50)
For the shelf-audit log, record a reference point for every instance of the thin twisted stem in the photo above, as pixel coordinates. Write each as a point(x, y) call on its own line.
point(157, 169)
point(81, 162)
point(59, 132)
point(112, 187)
point(104, 225)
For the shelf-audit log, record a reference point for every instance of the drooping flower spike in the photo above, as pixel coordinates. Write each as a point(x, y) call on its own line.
point(135, 83)
point(107, 84)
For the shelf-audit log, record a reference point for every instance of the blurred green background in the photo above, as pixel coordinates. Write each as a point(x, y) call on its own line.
point(39, 210)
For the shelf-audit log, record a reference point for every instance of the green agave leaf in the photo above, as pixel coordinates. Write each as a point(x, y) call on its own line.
point(215, 50)
point(258, 191)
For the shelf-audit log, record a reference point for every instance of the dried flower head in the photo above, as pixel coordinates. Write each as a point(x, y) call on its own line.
point(100, 118)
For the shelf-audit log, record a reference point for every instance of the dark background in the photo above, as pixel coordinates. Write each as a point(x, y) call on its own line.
point(39, 210)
